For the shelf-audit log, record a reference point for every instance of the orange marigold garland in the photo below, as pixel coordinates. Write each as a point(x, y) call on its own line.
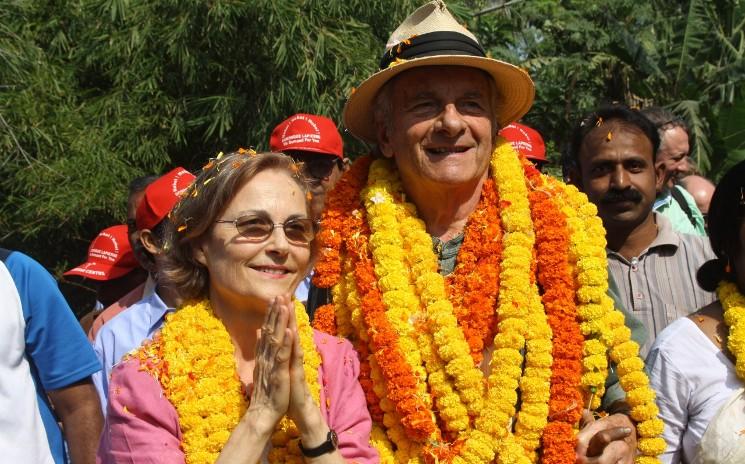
point(324, 319)
point(400, 380)
point(339, 206)
point(474, 283)
point(555, 276)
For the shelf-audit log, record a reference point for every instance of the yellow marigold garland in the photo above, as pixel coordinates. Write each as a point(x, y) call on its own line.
point(192, 358)
point(522, 324)
point(733, 303)
point(604, 329)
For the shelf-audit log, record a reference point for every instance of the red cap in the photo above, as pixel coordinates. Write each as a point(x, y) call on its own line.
point(307, 132)
point(161, 196)
point(109, 256)
point(526, 141)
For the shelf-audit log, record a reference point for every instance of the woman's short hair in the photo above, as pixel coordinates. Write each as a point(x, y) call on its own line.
point(202, 204)
point(726, 215)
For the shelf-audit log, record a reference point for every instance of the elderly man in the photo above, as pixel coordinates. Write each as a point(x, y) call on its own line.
point(673, 162)
point(434, 253)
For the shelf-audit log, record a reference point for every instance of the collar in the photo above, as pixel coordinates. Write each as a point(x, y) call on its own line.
point(446, 250)
point(666, 237)
point(664, 199)
point(158, 310)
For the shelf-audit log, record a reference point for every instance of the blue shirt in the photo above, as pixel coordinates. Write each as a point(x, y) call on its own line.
point(43, 347)
point(123, 333)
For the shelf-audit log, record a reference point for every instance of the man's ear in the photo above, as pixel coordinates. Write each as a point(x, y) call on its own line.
point(384, 141)
point(659, 173)
point(150, 242)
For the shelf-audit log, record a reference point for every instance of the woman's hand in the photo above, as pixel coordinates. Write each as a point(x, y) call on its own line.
point(302, 410)
point(270, 397)
point(300, 399)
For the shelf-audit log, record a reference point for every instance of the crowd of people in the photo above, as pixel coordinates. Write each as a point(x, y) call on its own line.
point(437, 300)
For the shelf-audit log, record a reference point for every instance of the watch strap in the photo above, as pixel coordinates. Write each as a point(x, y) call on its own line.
point(328, 446)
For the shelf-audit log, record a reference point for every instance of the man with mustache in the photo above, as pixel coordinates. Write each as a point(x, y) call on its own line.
point(612, 160)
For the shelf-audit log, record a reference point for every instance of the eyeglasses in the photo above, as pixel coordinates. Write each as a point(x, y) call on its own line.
point(299, 231)
point(317, 166)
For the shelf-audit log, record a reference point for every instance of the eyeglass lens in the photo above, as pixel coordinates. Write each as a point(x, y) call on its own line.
point(260, 228)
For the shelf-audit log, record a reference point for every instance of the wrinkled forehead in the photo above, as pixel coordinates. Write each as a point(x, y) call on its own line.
point(441, 79)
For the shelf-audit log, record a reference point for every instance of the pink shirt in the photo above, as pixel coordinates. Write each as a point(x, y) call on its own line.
point(149, 432)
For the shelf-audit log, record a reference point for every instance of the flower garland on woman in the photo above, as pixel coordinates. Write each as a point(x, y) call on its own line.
point(697, 364)
point(236, 373)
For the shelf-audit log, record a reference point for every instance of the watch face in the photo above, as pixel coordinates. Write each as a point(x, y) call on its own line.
point(334, 438)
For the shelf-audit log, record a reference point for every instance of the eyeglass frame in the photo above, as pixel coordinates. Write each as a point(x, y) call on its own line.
point(308, 159)
point(315, 225)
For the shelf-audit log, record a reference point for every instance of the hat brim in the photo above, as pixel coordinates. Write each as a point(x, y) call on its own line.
point(515, 87)
point(98, 271)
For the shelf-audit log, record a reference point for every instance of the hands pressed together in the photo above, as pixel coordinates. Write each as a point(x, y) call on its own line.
point(279, 380)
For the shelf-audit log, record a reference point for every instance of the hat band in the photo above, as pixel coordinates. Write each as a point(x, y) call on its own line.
point(432, 44)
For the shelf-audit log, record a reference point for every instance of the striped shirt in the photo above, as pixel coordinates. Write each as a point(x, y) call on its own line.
point(659, 286)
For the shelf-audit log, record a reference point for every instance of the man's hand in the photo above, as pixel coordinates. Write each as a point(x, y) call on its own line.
point(609, 440)
point(79, 409)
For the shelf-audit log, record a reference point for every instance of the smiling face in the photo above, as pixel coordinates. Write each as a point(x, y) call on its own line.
point(617, 173)
point(441, 127)
point(673, 154)
point(245, 273)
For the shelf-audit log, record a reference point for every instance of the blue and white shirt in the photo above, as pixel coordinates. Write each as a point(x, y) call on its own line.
point(42, 348)
point(123, 333)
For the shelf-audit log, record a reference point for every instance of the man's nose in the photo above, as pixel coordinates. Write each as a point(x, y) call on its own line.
point(619, 178)
point(450, 120)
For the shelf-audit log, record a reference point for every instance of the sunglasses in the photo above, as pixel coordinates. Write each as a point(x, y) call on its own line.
point(315, 166)
point(298, 231)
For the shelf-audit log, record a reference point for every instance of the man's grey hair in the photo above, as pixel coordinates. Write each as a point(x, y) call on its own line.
point(664, 119)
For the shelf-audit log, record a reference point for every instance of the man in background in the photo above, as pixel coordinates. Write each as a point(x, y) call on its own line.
point(111, 267)
point(138, 322)
point(526, 141)
point(673, 161)
point(45, 371)
point(701, 189)
point(654, 266)
point(314, 141)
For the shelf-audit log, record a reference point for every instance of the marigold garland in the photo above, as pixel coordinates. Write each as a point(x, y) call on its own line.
point(192, 359)
point(604, 329)
point(555, 276)
point(474, 283)
point(392, 267)
point(733, 303)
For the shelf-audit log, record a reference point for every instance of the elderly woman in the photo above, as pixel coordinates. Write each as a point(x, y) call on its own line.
point(237, 374)
point(697, 364)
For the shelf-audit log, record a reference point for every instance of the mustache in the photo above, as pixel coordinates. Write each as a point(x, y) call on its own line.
point(615, 196)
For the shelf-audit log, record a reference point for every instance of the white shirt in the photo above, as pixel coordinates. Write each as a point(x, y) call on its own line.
point(693, 379)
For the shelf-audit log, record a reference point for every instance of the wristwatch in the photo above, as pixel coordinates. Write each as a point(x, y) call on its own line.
point(328, 446)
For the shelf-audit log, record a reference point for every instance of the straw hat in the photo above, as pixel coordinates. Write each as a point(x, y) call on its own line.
point(432, 37)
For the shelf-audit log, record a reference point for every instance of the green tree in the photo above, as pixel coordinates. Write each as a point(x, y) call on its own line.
point(96, 92)
point(686, 55)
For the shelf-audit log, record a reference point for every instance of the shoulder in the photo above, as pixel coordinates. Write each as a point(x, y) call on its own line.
point(25, 269)
point(125, 317)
